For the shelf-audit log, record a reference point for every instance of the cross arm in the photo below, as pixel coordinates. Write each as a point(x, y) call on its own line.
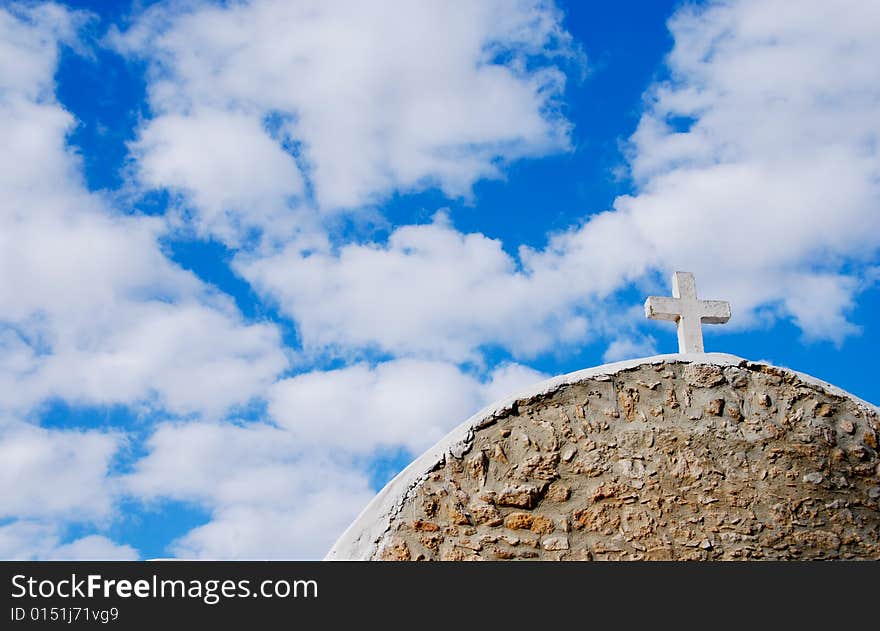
point(663, 308)
point(714, 311)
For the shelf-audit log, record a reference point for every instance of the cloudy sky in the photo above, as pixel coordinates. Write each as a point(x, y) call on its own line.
point(256, 256)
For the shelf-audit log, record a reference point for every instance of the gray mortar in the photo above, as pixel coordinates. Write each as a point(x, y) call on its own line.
point(380, 530)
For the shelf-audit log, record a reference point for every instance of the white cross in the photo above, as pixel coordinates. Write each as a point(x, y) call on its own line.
point(687, 311)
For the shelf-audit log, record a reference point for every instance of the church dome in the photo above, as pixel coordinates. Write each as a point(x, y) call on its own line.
point(681, 457)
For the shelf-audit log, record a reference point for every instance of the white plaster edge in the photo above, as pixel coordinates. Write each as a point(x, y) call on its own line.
point(358, 542)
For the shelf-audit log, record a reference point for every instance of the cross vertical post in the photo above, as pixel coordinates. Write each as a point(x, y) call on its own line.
point(688, 312)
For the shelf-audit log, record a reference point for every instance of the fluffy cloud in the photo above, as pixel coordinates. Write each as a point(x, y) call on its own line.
point(28, 42)
point(429, 290)
point(29, 540)
point(225, 162)
point(52, 477)
point(406, 402)
point(91, 548)
point(432, 291)
point(47, 473)
point(91, 310)
point(755, 164)
point(370, 99)
point(627, 347)
point(259, 480)
point(261, 487)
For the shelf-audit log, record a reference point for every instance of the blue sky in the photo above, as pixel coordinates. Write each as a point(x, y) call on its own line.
point(259, 255)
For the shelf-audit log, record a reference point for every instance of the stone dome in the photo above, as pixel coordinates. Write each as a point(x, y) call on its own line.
point(687, 456)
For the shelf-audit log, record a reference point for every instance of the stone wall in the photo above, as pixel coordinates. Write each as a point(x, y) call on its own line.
point(676, 460)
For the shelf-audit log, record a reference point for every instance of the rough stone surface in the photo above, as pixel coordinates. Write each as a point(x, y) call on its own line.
point(658, 461)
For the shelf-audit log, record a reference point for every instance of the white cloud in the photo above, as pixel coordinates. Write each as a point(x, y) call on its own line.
point(288, 490)
point(373, 98)
point(196, 359)
point(260, 485)
point(768, 195)
point(304, 533)
point(52, 473)
point(507, 379)
point(199, 461)
point(406, 402)
point(91, 311)
point(31, 540)
point(429, 290)
point(90, 308)
point(28, 47)
point(237, 175)
point(92, 548)
point(51, 477)
point(628, 347)
point(771, 191)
